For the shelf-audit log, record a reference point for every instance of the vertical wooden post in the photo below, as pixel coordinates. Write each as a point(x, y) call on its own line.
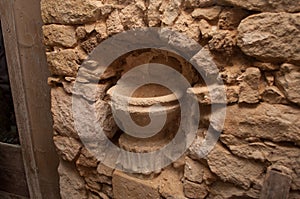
point(28, 71)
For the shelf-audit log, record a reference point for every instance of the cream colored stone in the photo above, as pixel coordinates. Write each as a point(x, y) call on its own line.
point(61, 108)
point(185, 24)
point(141, 99)
point(63, 63)
point(71, 184)
point(171, 186)
point(288, 79)
point(134, 187)
point(90, 27)
point(275, 122)
point(207, 30)
point(68, 148)
point(214, 94)
point(113, 23)
point(273, 95)
point(92, 178)
point(194, 190)
point(195, 171)
point(132, 17)
point(104, 170)
point(271, 37)
point(209, 14)
point(59, 35)
point(230, 168)
point(282, 157)
point(69, 11)
point(170, 10)
point(204, 61)
point(249, 88)
point(86, 159)
point(89, 91)
point(101, 29)
point(153, 14)
point(223, 41)
point(266, 5)
point(230, 18)
point(232, 94)
point(224, 190)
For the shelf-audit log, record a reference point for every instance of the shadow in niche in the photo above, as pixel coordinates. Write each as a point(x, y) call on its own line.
point(8, 126)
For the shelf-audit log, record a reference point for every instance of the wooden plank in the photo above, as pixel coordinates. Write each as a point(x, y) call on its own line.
point(12, 173)
point(18, 92)
point(13, 182)
point(21, 24)
point(276, 186)
point(11, 157)
point(5, 195)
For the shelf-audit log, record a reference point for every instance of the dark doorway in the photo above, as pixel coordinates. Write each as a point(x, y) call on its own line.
point(8, 126)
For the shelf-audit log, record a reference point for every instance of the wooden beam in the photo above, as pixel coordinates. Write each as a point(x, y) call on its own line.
point(6, 195)
point(28, 71)
point(12, 173)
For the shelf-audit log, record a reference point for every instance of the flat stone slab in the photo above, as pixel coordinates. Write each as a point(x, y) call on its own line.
point(271, 37)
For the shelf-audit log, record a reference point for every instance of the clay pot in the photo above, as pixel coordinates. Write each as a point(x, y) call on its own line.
point(138, 108)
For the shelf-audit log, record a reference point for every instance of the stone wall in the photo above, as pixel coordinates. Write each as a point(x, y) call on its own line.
point(255, 45)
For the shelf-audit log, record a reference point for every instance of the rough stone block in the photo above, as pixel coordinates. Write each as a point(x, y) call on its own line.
point(280, 156)
point(194, 190)
point(265, 5)
point(68, 147)
point(273, 122)
point(132, 16)
point(230, 18)
point(249, 88)
point(171, 186)
point(273, 95)
point(288, 79)
point(61, 108)
point(271, 37)
point(63, 63)
point(105, 170)
point(128, 187)
point(233, 169)
point(195, 171)
point(86, 159)
point(59, 35)
point(210, 13)
point(113, 23)
point(170, 10)
point(223, 41)
point(70, 11)
point(71, 184)
point(224, 190)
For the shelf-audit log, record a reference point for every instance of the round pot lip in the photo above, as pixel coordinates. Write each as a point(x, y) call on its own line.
point(145, 110)
point(143, 101)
